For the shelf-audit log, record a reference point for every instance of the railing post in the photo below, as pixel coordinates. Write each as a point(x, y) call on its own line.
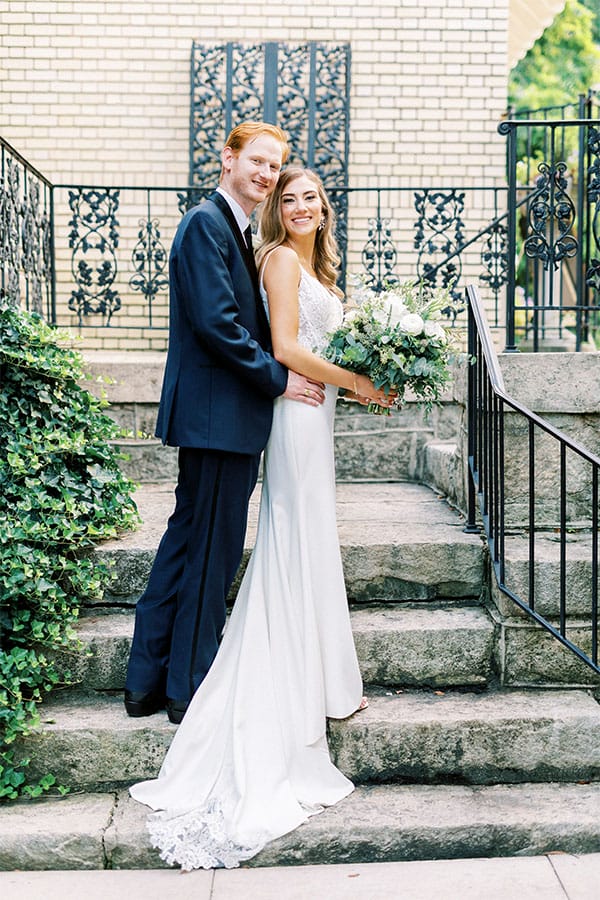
point(471, 525)
point(583, 230)
point(52, 310)
point(510, 130)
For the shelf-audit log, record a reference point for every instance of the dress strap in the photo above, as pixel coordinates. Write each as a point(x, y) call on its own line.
point(263, 266)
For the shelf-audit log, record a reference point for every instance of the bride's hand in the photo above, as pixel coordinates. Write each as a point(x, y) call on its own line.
point(305, 390)
point(367, 390)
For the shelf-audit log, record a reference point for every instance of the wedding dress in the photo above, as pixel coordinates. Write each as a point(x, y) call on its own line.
point(250, 760)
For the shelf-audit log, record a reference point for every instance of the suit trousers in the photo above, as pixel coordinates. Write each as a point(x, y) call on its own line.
point(180, 617)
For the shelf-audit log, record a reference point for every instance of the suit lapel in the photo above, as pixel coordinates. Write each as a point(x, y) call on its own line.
point(247, 254)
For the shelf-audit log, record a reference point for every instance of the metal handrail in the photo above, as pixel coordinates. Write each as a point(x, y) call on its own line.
point(487, 399)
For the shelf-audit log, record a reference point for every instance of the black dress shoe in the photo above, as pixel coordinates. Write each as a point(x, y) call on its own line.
point(143, 703)
point(176, 710)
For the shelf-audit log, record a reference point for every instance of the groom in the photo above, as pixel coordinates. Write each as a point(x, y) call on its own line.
point(216, 406)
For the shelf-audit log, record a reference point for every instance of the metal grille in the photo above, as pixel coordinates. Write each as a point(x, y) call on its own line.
point(303, 88)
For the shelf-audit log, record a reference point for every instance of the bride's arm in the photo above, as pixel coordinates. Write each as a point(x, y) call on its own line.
point(281, 278)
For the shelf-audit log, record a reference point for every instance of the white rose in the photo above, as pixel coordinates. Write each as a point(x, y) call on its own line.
point(395, 308)
point(435, 330)
point(380, 315)
point(351, 314)
point(412, 323)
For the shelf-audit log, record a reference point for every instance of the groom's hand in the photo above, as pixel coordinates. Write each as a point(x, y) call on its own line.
point(304, 389)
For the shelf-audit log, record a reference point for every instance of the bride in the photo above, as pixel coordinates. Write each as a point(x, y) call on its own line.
point(250, 760)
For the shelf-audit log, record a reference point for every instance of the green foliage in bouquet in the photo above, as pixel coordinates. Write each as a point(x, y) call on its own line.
point(61, 490)
point(399, 338)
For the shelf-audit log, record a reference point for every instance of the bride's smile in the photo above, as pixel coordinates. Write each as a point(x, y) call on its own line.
point(301, 207)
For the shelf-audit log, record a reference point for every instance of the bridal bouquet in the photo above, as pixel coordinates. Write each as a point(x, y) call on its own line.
point(397, 337)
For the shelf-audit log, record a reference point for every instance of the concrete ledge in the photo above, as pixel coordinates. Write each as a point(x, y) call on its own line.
point(399, 541)
point(526, 655)
point(55, 834)
point(486, 738)
point(434, 647)
point(442, 469)
point(89, 742)
point(546, 571)
point(374, 824)
point(125, 376)
point(544, 381)
point(395, 645)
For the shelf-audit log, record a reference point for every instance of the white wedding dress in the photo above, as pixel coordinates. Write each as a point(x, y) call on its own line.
point(250, 760)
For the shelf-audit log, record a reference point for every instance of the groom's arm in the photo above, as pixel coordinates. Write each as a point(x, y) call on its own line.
point(203, 271)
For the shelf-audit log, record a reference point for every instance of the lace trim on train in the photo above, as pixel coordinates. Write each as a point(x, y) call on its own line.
point(197, 839)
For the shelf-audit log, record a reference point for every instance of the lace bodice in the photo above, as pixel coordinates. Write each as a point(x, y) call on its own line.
point(320, 312)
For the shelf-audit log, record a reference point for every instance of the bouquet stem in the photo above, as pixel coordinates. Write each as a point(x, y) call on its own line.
point(378, 410)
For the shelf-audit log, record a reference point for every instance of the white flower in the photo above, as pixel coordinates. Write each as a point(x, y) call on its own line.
point(411, 323)
point(395, 307)
point(351, 314)
point(435, 330)
point(380, 314)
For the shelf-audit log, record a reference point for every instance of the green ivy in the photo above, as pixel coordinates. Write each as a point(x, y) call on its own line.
point(61, 491)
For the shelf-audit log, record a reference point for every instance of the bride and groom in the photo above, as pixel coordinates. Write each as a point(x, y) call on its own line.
point(250, 760)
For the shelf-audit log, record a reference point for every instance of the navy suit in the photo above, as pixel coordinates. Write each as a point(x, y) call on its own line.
point(216, 405)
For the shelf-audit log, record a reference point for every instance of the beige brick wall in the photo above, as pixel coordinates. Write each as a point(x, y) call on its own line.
point(98, 92)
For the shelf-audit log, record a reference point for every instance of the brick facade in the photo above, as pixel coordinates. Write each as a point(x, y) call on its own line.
point(98, 93)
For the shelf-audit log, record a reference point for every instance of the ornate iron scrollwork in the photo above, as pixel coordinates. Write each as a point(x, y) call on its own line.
point(149, 260)
point(189, 198)
point(226, 79)
point(293, 75)
point(332, 64)
point(94, 238)
point(379, 254)
point(35, 239)
point(551, 207)
point(25, 237)
point(304, 88)
point(439, 235)
point(494, 257)
point(592, 278)
point(207, 126)
point(10, 245)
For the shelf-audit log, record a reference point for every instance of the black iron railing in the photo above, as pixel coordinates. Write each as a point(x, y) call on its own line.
point(500, 429)
point(110, 245)
point(92, 255)
point(553, 229)
point(26, 235)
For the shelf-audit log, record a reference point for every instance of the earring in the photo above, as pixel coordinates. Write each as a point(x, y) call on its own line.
point(322, 224)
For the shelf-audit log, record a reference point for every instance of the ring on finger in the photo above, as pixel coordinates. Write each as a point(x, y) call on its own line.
point(306, 392)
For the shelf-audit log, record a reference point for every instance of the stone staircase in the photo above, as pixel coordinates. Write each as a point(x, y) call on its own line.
point(482, 737)
point(449, 760)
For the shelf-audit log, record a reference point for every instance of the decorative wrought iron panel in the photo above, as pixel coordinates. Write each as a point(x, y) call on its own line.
point(303, 88)
point(26, 254)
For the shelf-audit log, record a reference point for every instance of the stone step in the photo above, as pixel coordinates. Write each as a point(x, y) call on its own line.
point(400, 542)
point(396, 645)
point(547, 574)
point(383, 453)
point(442, 468)
point(89, 743)
point(366, 446)
point(379, 823)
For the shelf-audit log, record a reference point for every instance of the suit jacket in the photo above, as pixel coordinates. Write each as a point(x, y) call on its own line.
point(220, 379)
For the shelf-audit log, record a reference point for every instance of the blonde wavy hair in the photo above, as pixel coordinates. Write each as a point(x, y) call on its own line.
point(326, 257)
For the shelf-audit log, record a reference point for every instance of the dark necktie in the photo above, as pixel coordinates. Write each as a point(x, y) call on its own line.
point(250, 252)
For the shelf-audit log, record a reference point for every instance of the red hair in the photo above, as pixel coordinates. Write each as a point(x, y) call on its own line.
point(247, 131)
